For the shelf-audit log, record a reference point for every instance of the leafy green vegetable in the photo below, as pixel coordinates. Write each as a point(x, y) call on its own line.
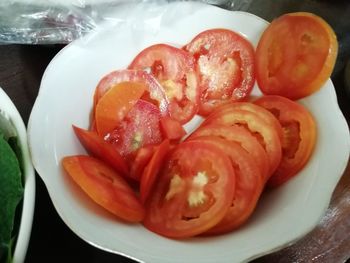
point(11, 193)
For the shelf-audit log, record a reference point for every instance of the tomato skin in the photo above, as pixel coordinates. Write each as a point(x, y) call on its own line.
point(238, 135)
point(171, 129)
point(299, 137)
point(112, 108)
point(97, 147)
point(249, 185)
point(155, 93)
point(295, 55)
point(151, 171)
point(104, 186)
point(266, 134)
point(194, 192)
point(174, 69)
point(225, 64)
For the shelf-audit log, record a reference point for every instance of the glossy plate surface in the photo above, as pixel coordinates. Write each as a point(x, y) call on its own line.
point(65, 98)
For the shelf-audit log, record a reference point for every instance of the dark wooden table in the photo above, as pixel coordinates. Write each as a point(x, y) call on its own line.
point(21, 69)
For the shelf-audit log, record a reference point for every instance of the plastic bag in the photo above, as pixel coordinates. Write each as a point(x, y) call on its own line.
point(59, 21)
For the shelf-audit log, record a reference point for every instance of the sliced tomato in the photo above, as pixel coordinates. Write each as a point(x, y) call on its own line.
point(267, 135)
point(151, 171)
point(299, 135)
point(139, 128)
point(112, 108)
point(142, 158)
point(249, 184)
point(102, 150)
point(174, 69)
point(104, 186)
point(194, 192)
point(295, 55)
point(225, 64)
point(154, 91)
point(267, 116)
point(171, 129)
point(238, 135)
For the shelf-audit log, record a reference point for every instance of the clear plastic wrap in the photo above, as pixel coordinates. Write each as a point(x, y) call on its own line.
point(59, 21)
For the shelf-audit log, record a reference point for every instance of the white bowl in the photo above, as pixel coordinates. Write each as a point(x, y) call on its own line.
point(65, 98)
point(25, 228)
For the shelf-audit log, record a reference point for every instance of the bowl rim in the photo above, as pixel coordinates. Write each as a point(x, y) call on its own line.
point(28, 200)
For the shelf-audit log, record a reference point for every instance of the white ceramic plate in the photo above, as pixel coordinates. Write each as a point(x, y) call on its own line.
point(10, 111)
point(65, 98)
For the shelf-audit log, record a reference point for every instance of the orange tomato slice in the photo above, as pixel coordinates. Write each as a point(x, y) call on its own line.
point(115, 105)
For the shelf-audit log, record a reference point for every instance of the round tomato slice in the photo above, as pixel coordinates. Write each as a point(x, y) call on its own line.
point(267, 135)
point(194, 191)
point(104, 186)
point(151, 171)
point(238, 135)
point(174, 69)
point(295, 55)
point(267, 116)
point(225, 64)
point(249, 185)
point(299, 136)
point(139, 128)
point(102, 150)
point(155, 93)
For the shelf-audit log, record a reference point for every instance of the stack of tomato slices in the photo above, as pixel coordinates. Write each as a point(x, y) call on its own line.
point(143, 168)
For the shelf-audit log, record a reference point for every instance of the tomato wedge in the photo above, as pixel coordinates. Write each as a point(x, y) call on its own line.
point(238, 135)
point(142, 158)
point(225, 64)
point(112, 108)
point(249, 185)
point(174, 69)
point(171, 129)
point(102, 150)
point(194, 191)
point(295, 55)
point(299, 136)
point(152, 169)
point(104, 186)
point(139, 128)
point(267, 135)
point(154, 91)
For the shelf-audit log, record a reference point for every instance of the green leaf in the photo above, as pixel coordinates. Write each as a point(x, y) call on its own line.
point(11, 193)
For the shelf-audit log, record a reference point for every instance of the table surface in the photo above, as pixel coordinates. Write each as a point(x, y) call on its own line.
point(21, 69)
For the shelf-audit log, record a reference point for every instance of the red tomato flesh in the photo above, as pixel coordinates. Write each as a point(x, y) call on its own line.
point(225, 64)
point(267, 135)
point(171, 129)
point(194, 191)
point(102, 150)
point(238, 135)
point(104, 186)
point(295, 55)
point(299, 136)
point(142, 158)
point(249, 185)
point(154, 91)
point(174, 69)
point(139, 128)
point(151, 171)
